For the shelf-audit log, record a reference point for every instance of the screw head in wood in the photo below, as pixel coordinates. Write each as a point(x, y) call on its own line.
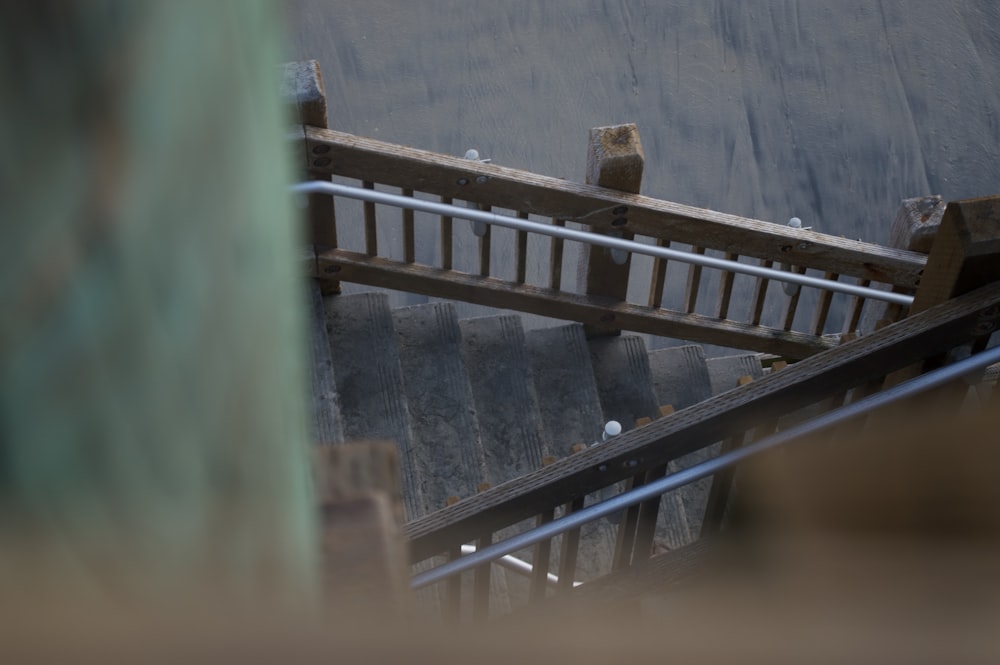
point(620, 210)
point(619, 222)
point(321, 149)
point(322, 161)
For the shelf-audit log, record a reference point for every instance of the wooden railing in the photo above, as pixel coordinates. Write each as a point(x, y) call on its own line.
point(523, 272)
point(745, 414)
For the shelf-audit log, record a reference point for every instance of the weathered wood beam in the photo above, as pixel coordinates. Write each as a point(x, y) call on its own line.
point(664, 440)
point(380, 272)
point(462, 179)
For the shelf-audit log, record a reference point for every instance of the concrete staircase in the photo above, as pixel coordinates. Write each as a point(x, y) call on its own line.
point(483, 401)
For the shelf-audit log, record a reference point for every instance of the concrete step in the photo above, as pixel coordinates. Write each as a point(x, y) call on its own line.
point(625, 383)
point(449, 455)
point(726, 371)
point(368, 376)
point(510, 426)
point(680, 378)
point(326, 423)
point(568, 402)
point(571, 414)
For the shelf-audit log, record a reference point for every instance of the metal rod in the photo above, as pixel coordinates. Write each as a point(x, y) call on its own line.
point(373, 196)
point(656, 488)
point(518, 566)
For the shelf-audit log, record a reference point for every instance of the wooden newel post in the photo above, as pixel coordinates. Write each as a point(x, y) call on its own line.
point(914, 228)
point(614, 160)
point(303, 92)
point(965, 255)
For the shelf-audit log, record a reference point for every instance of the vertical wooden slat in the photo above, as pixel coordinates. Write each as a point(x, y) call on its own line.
point(693, 282)
point(452, 608)
point(521, 253)
point(446, 237)
point(569, 549)
point(726, 288)
point(854, 310)
point(718, 494)
point(409, 249)
point(649, 513)
point(823, 306)
point(759, 295)
point(555, 258)
point(540, 561)
point(659, 276)
point(792, 304)
point(628, 522)
point(371, 237)
point(485, 242)
point(481, 583)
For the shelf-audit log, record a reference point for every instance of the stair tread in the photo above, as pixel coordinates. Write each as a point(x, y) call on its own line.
point(368, 376)
point(726, 371)
point(442, 413)
point(510, 425)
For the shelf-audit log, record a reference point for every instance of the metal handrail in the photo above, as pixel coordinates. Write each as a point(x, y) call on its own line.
point(518, 566)
point(922, 383)
point(433, 207)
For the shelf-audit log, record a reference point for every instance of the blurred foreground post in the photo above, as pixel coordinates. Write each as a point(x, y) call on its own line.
point(153, 446)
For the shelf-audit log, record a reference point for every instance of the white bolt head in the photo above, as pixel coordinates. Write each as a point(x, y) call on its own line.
point(612, 428)
point(795, 223)
point(472, 153)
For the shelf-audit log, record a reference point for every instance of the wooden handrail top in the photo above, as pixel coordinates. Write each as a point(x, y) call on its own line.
point(346, 155)
point(920, 336)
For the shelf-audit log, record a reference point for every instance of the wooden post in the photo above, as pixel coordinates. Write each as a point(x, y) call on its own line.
point(365, 561)
point(614, 160)
point(965, 255)
point(916, 225)
point(302, 90)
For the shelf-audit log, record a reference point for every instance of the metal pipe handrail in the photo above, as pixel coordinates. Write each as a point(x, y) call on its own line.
point(448, 210)
point(519, 566)
point(655, 489)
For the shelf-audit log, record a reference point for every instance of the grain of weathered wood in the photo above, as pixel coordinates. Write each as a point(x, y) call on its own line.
point(540, 560)
point(371, 231)
point(725, 288)
point(569, 548)
point(855, 309)
point(485, 246)
point(759, 295)
point(326, 422)
point(803, 383)
point(521, 253)
point(614, 161)
point(792, 303)
point(693, 283)
point(556, 258)
point(512, 189)
point(377, 271)
point(822, 311)
point(658, 277)
point(446, 237)
point(409, 248)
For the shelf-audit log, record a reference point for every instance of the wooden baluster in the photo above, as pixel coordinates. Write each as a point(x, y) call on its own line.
point(485, 243)
point(521, 253)
point(658, 278)
point(823, 306)
point(792, 304)
point(854, 310)
point(481, 582)
point(555, 258)
point(570, 545)
point(542, 552)
point(693, 282)
point(722, 482)
point(540, 560)
point(453, 587)
point(371, 237)
point(726, 288)
point(648, 511)
point(759, 295)
point(446, 237)
point(409, 248)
